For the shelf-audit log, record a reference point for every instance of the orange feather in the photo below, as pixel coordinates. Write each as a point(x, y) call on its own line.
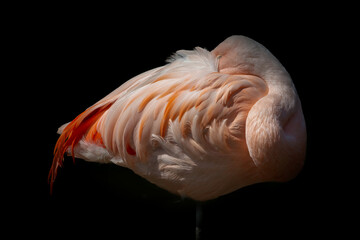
point(84, 125)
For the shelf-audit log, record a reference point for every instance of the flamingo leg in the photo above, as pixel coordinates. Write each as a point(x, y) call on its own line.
point(199, 213)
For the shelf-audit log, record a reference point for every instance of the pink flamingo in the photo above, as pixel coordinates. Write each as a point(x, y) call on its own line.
point(201, 126)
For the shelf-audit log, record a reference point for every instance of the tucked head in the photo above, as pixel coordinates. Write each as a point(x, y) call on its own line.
point(242, 55)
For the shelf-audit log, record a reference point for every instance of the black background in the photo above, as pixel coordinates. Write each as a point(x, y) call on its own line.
point(72, 56)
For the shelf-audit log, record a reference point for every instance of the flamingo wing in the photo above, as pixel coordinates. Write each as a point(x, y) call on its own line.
point(84, 128)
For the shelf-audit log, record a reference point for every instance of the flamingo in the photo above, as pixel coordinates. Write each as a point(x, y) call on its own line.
point(204, 125)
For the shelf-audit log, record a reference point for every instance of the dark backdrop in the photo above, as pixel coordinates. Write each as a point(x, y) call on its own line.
point(73, 57)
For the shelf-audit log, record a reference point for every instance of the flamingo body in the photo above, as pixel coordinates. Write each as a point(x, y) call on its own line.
point(203, 125)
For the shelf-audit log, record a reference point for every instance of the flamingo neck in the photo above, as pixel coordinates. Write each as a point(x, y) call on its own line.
point(275, 133)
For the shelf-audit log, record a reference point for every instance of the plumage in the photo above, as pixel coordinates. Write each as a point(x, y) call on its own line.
point(203, 125)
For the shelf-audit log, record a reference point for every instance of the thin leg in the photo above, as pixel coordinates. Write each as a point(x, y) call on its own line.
point(198, 220)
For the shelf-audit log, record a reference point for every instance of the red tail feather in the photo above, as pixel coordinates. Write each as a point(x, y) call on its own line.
point(77, 129)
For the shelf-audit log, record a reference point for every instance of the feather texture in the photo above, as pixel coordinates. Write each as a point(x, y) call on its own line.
point(185, 126)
